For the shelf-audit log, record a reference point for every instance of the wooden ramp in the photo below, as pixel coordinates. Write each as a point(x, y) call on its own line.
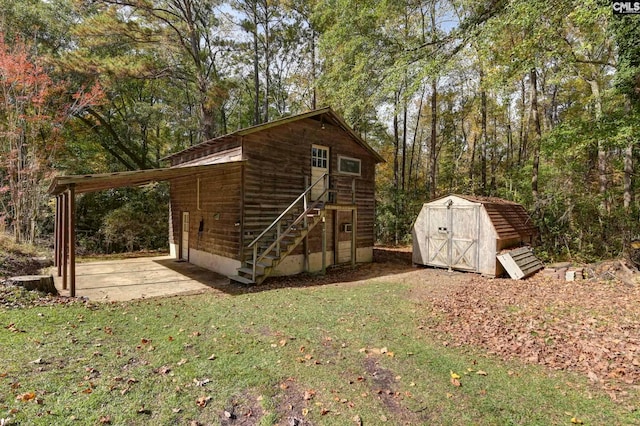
point(520, 263)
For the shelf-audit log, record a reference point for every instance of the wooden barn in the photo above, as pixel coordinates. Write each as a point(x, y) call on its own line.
point(467, 232)
point(292, 195)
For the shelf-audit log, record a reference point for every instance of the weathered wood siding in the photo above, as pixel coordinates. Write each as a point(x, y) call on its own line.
point(279, 159)
point(219, 210)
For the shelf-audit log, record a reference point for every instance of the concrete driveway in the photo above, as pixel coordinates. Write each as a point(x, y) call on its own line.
point(128, 279)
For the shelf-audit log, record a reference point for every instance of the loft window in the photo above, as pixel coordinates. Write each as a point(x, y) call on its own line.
point(319, 157)
point(349, 166)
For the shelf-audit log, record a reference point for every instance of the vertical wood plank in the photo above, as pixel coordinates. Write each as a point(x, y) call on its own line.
point(72, 239)
point(354, 235)
point(65, 237)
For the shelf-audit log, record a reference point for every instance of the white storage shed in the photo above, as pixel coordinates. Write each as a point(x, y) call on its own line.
point(467, 232)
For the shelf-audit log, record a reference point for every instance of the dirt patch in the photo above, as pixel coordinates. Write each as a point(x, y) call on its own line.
point(292, 403)
point(242, 410)
point(383, 385)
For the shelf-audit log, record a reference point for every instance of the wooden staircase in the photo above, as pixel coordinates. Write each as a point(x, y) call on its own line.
point(280, 238)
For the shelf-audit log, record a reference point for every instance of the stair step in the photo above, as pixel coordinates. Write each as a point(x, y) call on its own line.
point(259, 265)
point(241, 280)
point(247, 271)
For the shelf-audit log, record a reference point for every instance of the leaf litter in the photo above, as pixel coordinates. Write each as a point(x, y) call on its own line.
point(591, 327)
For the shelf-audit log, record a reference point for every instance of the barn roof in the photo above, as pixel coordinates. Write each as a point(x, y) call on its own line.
point(509, 218)
point(325, 114)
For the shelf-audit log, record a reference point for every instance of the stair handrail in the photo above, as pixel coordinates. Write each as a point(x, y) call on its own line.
point(257, 259)
point(279, 218)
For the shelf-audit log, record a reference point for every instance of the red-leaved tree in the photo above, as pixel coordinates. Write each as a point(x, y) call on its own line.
point(33, 110)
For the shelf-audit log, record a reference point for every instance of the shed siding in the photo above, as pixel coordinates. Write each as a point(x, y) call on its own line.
point(219, 210)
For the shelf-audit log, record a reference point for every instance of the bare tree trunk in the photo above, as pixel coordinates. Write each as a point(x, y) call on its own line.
point(602, 153)
point(523, 131)
point(267, 59)
point(628, 175)
point(256, 60)
point(483, 124)
point(396, 167)
point(472, 165)
point(415, 136)
point(535, 118)
point(433, 152)
point(313, 70)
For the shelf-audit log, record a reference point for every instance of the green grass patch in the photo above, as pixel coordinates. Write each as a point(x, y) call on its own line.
point(331, 355)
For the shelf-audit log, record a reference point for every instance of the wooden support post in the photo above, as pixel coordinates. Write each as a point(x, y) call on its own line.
point(305, 225)
point(324, 244)
point(65, 237)
point(56, 229)
point(72, 240)
point(336, 238)
point(354, 235)
point(60, 225)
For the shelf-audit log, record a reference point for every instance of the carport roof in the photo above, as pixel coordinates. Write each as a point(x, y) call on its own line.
point(102, 181)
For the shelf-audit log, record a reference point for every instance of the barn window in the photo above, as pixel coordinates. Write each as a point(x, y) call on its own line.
point(319, 157)
point(348, 166)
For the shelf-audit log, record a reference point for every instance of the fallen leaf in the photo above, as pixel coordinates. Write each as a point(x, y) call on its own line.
point(455, 382)
point(176, 410)
point(105, 420)
point(212, 357)
point(182, 361)
point(481, 373)
point(308, 394)
point(454, 375)
point(576, 421)
point(25, 397)
point(202, 401)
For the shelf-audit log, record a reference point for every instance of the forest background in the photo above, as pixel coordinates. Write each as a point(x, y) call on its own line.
point(534, 101)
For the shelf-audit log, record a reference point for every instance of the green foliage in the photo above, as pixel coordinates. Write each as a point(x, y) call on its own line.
point(141, 223)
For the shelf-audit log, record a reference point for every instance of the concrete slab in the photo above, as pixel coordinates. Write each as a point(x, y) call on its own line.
point(128, 279)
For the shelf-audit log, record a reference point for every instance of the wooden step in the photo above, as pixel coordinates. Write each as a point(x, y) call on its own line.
point(248, 271)
point(241, 280)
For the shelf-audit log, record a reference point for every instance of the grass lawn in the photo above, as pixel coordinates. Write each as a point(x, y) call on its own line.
point(337, 354)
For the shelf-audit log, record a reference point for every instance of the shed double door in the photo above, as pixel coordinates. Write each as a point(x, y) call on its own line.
point(452, 237)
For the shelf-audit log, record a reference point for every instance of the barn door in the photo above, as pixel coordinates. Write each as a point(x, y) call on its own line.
point(438, 236)
point(319, 166)
point(463, 249)
point(452, 237)
point(184, 244)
